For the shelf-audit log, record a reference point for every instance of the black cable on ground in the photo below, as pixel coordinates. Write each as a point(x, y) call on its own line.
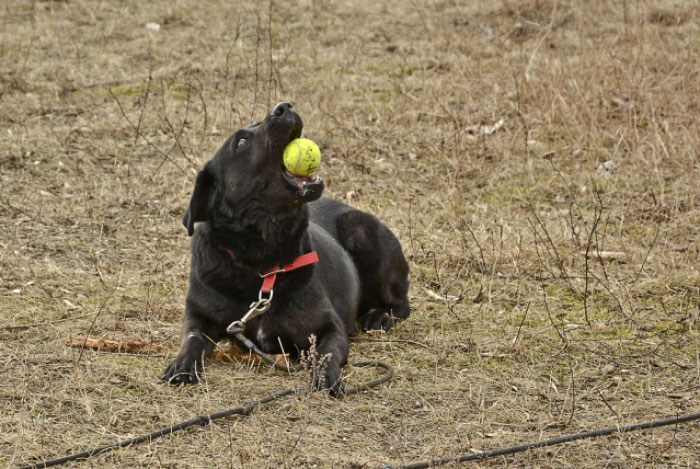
point(201, 420)
point(551, 442)
point(204, 420)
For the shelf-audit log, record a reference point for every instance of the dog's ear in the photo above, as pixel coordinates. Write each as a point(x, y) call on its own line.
point(202, 201)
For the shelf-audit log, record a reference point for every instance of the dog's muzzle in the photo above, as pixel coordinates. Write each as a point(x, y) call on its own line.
point(310, 191)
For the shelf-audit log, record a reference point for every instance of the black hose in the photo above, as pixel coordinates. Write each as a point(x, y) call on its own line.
point(201, 420)
point(551, 442)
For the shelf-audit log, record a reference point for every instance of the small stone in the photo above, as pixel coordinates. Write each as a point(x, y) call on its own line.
point(607, 167)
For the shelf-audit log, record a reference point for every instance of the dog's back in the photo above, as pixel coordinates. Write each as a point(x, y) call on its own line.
point(377, 254)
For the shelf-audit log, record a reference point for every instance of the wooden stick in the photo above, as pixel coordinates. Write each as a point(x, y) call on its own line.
point(151, 348)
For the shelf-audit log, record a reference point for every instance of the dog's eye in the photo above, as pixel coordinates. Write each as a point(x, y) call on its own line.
point(240, 143)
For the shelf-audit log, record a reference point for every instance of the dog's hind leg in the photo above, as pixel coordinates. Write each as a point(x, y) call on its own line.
point(382, 268)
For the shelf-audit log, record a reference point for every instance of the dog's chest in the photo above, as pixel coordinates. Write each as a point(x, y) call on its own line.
point(260, 336)
point(274, 335)
point(267, 337)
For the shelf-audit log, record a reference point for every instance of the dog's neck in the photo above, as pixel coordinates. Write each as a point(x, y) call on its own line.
point(277, 240)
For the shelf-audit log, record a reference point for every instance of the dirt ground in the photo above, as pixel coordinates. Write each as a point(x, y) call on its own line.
point(539, 161)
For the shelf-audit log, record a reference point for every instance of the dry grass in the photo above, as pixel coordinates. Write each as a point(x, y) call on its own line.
point(517, 334)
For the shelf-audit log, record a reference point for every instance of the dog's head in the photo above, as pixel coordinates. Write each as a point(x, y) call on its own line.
point(247, 173)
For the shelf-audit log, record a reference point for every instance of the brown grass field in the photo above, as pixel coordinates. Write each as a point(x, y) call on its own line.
point(554, 261)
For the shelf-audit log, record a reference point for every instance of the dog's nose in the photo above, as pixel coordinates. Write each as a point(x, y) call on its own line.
point(281, 108)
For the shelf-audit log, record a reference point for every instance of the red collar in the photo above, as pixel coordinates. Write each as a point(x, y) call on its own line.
point(270, 275)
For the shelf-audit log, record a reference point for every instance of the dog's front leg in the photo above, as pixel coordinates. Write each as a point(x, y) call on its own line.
point(198, 339)
point(332, 350)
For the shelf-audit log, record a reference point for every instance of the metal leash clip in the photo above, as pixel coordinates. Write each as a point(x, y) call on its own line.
point(256, 309)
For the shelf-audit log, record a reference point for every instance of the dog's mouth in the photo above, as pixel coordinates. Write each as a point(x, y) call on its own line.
point(296, 182)
point(285, 125)
point(300, 181)
point(308, 188)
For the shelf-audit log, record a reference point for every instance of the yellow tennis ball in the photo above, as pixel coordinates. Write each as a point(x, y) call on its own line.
point(301, 157)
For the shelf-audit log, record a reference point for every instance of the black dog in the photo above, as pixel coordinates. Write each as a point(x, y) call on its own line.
point(255, 218)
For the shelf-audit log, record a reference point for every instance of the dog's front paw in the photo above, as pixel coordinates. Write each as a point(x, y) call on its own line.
point(183, 370)
point(327, 380)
